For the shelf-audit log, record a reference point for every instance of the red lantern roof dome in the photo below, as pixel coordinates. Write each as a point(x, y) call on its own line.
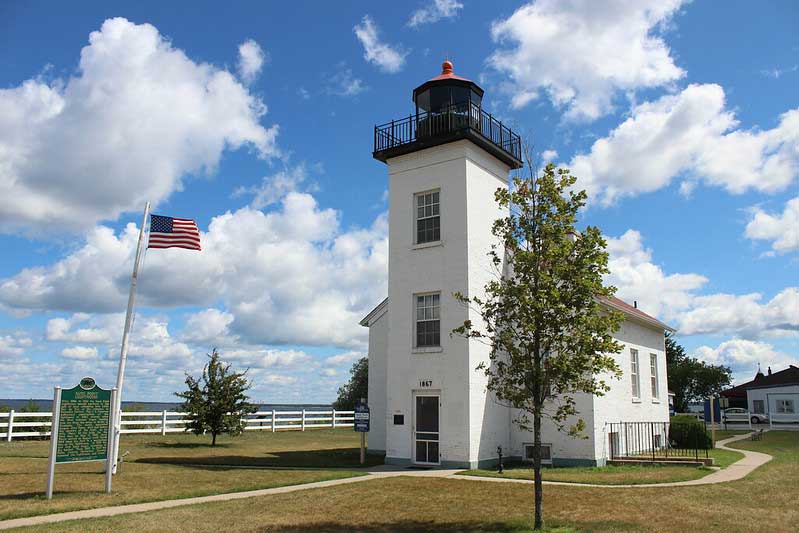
point(447, 74)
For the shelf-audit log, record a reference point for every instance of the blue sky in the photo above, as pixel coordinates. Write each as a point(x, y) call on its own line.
point(680, 119)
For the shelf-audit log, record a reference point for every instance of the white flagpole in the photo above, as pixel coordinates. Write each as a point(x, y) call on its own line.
point(123, 353)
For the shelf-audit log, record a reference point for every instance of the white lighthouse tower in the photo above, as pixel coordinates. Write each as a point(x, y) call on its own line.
point(445, 162)
point(428, 399)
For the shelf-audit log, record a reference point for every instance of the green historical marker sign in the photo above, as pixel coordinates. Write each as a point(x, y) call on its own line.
point(81, 429)
point(83, 423)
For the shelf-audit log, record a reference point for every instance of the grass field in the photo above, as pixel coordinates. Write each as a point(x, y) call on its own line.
point(159, 468)
point(765, 501)
point(617, 475)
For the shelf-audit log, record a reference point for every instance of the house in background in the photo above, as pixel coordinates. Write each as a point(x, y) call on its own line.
point(429, 402)
point(737, 394)
point(776, 395)
point(773, 394)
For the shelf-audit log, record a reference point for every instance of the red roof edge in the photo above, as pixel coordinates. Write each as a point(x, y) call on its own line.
point(631, 310)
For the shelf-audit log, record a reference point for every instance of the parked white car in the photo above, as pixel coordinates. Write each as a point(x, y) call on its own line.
point(740, 415)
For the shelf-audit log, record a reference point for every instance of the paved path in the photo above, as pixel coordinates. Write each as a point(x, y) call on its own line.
point(735, 471)
point(166, 504)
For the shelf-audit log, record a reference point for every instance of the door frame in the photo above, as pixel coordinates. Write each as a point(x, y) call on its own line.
point(432, 394)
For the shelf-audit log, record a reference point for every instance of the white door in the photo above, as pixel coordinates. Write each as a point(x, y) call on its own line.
point(426, 429)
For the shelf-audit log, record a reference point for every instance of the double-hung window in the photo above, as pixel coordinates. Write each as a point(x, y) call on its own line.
point(428, 320)
point(759, 407)
point(634, 374)
point(785, 406)
point(428, 217)
point(653, 374)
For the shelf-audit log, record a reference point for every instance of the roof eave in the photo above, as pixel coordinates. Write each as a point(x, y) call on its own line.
point(638, 318)
point(374, 313)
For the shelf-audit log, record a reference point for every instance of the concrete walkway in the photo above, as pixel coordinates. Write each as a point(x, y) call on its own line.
point(735, 471)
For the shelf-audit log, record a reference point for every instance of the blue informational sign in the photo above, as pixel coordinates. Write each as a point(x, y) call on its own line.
point(716, 411)
point(361, 417)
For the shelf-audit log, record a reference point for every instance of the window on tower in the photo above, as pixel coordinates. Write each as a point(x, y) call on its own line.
point(428, 217)
point(428, 320)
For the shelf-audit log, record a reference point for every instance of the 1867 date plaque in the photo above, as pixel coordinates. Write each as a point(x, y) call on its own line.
point(83, 423)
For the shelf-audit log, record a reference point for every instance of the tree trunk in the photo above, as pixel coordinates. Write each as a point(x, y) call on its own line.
point(539, 486)
point(213, 439)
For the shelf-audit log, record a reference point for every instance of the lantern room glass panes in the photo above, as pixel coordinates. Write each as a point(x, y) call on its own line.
point(428, 320)
point(428, 217)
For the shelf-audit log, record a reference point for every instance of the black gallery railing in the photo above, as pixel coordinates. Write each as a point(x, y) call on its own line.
point(452, 119)
point(657, 441)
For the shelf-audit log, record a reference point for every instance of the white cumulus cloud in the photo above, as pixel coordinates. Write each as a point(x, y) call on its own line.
point(584, 53)
point(386, 57)
point(435, 11)
point(276, 186)
point(743, 315)
point(80, 352)
point(782, 229)
point(13, 346)
point(743, 357)
point(638, 278)
point(289, 276)
point(251, 60)
point(136, 119)
point(690, 134)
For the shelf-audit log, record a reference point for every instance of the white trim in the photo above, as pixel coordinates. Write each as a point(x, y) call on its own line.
point(416, 219)
point(635, 374)
point(375, 313)
point(432, 394)
point(431, 244)
point(427, 349)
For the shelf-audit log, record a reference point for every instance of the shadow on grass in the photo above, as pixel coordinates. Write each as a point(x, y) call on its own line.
point(187, 445)
point(327, 458)
point(40, 495)
point(452, 527)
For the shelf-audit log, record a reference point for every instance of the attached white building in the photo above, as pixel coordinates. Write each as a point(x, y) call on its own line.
point(428, 400)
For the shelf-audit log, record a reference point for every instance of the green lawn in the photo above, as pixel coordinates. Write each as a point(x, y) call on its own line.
point(615, 475)
point(158, 468)
point(765, 501)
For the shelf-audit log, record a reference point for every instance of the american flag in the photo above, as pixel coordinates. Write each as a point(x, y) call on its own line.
point(168, 232)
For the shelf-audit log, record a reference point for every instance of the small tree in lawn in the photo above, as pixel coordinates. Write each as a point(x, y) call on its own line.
point(217, 401)
point(549, 337)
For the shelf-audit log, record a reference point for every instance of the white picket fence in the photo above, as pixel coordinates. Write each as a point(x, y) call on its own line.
point(17, 424)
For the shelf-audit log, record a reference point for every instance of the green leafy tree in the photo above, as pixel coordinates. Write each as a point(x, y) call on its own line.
point(690, 379)
point(549, 337)
point(357, 387)
point(216, 402)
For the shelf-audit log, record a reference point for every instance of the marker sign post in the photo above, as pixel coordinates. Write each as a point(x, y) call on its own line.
point(82, 428)
point(361, 425)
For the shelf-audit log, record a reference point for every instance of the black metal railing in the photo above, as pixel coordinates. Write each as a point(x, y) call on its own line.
point(657, 441)
point(466, 116)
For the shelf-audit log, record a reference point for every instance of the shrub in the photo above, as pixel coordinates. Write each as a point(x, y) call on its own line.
point(688, 432)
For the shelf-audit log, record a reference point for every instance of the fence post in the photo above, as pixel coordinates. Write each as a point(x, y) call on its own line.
point(303, 419)
point(273, 420)
point(10, 426)
point(652, 442)
point(334, 419)
point(163, 422)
